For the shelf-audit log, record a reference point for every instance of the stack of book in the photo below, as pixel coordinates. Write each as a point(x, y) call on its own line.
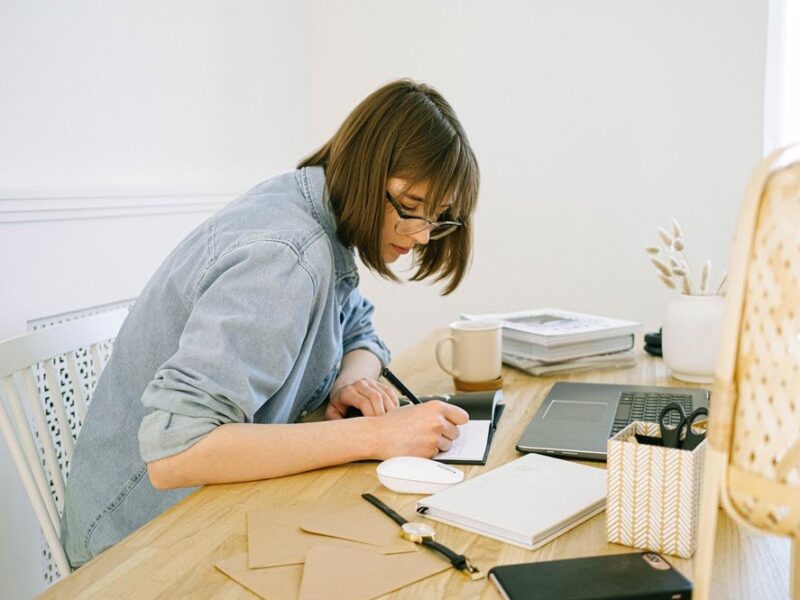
point(547, 340)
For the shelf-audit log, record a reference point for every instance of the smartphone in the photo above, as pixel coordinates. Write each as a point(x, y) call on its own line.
point(636, 576)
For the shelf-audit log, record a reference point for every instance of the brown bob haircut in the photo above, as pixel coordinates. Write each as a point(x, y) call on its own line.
point(407, 130)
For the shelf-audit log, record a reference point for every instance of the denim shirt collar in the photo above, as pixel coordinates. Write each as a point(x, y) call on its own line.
point(312, 182)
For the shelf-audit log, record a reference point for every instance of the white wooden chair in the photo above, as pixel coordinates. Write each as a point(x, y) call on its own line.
point(46, 381)
point(753, 451)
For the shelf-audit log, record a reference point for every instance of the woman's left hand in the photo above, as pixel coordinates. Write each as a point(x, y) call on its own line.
point(371, 397)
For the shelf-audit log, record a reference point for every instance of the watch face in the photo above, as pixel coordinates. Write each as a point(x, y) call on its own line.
point(417, 529)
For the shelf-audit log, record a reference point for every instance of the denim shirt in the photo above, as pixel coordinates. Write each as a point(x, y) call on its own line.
point(246, 321)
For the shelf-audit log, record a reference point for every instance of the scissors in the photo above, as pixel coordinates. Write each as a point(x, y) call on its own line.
point(671, 436)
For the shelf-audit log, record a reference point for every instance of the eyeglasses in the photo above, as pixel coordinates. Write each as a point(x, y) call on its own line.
point(409, 224)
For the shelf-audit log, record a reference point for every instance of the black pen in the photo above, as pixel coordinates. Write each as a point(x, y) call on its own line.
point(392, 378)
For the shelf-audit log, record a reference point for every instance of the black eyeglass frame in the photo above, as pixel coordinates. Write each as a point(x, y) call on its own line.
point(446, 227)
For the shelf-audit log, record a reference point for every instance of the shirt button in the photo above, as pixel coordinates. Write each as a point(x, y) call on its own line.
point(304, 413)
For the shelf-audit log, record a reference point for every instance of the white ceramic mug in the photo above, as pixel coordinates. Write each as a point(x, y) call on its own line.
point(476, 350)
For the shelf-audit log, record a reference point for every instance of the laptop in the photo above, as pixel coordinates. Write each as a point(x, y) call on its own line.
point(575, 420)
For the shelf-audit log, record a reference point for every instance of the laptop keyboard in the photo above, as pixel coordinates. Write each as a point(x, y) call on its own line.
point(640, 406)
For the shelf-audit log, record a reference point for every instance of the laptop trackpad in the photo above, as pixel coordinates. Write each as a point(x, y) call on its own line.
point(575, 410)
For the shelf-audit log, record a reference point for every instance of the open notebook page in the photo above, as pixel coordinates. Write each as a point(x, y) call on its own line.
point(474, 436)
point(470, 444)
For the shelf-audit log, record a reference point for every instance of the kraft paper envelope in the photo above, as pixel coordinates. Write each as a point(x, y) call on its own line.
point(361, 523)
point(278, 583)
point(275, 538)
point(332, 573)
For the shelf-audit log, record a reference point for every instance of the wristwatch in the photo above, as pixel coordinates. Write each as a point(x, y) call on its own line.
point(422, 533)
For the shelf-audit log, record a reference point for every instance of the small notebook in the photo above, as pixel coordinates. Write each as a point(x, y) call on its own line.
point(527, 502)
point(472, 445)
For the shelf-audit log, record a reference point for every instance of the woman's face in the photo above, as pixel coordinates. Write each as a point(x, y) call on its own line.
point(413, 202)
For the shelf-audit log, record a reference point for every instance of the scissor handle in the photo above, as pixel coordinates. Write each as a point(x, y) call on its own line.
point(693, 438)
point(671, 436)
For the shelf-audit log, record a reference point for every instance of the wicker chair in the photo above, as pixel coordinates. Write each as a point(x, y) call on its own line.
point(753, 453)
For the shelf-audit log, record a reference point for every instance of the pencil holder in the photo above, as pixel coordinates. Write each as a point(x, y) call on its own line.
point(653, 492)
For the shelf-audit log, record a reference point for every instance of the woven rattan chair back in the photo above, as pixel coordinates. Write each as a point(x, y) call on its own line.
point(764, 464)
point(753, 463)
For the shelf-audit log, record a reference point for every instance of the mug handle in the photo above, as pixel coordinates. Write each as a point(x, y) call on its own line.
point(440, 359)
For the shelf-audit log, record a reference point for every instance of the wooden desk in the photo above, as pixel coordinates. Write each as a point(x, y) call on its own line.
point(173, 556)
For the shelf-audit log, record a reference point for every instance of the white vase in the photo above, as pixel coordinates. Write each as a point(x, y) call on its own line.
point(690, 337)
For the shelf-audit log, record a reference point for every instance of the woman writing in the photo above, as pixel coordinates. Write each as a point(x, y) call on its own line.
point(255, 319)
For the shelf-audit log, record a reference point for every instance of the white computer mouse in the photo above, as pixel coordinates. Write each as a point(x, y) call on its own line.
point(415, 475)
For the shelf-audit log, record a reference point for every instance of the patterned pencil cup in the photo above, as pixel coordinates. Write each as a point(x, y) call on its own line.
point(653, 493)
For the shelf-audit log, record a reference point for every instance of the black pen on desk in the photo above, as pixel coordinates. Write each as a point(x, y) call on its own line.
point(392, 378)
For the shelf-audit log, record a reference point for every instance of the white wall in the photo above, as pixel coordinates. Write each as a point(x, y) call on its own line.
point(122, 126)
point(594, 123)
point(787, 52)
point(150, 93)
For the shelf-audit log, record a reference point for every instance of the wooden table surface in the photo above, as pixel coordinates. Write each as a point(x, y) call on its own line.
point(173, 556)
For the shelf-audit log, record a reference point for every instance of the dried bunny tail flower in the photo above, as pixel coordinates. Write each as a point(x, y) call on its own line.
point(673, 262)
point(676, 229)
point(664, 269)
point(688, 278)
point(653, 250)
point(665, 237)
point(686, 286)
point(678, 244)
point(704, 277)
point(678, 272)
point(668, 281)
point(721, 287)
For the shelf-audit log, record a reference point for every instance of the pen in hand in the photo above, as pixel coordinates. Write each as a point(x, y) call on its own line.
point(392, 378)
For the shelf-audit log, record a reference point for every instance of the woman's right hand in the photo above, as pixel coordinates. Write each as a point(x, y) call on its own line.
point(418, 430)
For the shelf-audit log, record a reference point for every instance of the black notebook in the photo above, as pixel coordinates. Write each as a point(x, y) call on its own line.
point(637, 576)
point(472, 445)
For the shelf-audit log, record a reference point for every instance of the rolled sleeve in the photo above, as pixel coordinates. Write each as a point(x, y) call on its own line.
point(358, 330)
point(238, 347)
